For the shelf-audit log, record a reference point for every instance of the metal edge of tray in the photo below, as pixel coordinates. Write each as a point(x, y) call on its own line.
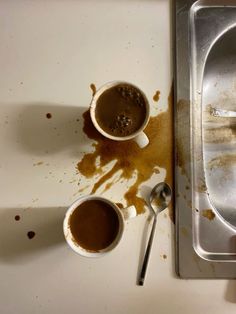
point(188, 263)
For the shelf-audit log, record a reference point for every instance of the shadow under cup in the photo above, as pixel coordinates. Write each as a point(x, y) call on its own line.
point(71, 239)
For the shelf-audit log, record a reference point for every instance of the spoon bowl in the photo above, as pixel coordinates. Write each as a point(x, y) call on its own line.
point(160, 197)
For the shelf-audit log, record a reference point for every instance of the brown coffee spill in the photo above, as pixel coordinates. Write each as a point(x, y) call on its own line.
point(93, 88)
point(39, 163)
point(183, 153)
point(189, 203)
point(223, 161)
point(212, 267)
point(120, 205)
point(129, 157)
point(196, 259)
point(49, 115)
point(208, 116)
point(184, 231)
point(156, 97)
point(208, 213)
point(17, 217)
point(30, 234)
point(121, 110)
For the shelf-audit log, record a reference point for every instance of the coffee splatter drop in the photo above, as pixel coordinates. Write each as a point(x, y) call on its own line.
point(221, 134)
point(164, 256)
point(212, 267)
point(49, 115)
point(17, 217)
point(223, 161)
point(31, 234)
point(183, 121)
point(38, 163)
point(135, 160)
point(184, 231)
point(156, 97)
point(93, 88)
point(196, 259)
point(208, 213)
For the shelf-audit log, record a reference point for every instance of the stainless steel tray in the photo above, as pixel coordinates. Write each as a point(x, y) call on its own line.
point(205, 154)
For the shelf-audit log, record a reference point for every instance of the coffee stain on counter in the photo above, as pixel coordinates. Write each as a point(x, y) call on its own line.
point(39, 163)
point(48, 115)
point(208, 213)
point(221, 134)
point(156, 97)
point(202, 188)
point(129, 158)
point(17, 217)
point(31, 234)
point(196, 259)
point(218, 129)
point(183, 121)
point(93, 88)
point(223, 161)
point(184, 231)
point(120, 205)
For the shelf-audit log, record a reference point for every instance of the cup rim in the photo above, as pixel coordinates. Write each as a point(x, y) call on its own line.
point(72, 242)
point(93, 103)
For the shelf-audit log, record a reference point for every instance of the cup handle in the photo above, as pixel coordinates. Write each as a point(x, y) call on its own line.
point(129, 212)
point(141, 139)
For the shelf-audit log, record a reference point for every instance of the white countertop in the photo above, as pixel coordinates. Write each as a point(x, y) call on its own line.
point(51, 51)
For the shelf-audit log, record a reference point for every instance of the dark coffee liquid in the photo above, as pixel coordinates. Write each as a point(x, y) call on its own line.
point(121, 110)
point(94, 225)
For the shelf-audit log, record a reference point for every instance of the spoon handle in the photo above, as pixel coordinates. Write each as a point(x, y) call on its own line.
point(147, 253)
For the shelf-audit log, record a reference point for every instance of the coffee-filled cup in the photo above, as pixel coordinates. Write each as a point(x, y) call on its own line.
point(120, 111)
point(94, 225)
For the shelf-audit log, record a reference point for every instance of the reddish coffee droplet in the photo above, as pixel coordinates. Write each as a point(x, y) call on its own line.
point(49, 115)
point(17, 217)
point(31, 234)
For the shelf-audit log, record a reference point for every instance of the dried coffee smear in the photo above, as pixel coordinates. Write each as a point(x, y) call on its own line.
point(129, 157)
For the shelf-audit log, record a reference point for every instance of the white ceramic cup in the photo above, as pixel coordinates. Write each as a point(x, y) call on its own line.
point(139, 136)
point(123, 215)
